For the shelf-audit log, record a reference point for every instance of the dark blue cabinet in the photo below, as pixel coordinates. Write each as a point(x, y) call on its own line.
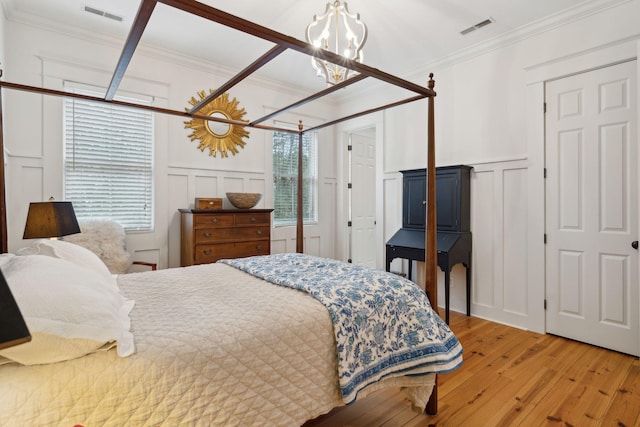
point(452, 198)
point(453, 204)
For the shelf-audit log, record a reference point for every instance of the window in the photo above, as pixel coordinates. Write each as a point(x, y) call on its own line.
point(285, 177)
point(108, 160)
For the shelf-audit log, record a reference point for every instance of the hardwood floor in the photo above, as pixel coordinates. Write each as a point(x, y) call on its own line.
point(512, 377)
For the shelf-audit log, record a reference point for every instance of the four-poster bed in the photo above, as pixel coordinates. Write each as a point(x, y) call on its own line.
point(282, 44)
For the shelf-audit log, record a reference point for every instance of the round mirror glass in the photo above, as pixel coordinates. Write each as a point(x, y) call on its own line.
point(217, 128)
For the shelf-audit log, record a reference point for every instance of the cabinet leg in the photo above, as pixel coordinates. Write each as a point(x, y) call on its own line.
point(447, 294)
point(469, 288)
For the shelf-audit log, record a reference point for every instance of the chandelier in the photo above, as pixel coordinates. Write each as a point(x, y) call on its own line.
point(340, 32)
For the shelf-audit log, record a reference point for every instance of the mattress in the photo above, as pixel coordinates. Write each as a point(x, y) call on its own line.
point(214, 346)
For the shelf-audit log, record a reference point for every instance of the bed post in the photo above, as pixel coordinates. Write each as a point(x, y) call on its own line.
point(4, 247)
point(431, 251)
point(300, 219)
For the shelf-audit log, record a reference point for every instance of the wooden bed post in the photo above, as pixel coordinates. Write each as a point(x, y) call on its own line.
point(4, 246)
point(300, 219)
point(431, 251)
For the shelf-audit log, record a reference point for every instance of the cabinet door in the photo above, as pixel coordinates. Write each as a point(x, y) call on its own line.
point(448, 200)
point(414, 198)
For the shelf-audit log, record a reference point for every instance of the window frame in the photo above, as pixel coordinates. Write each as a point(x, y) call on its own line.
point(314, 179)
point(143, 222)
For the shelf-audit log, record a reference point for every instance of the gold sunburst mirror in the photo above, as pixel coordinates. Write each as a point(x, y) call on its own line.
point(218, 136)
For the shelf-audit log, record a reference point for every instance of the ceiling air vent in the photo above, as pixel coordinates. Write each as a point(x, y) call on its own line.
point(99, 12)
point(476, 26)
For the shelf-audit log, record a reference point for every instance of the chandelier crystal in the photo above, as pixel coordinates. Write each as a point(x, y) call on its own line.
point(338, 31)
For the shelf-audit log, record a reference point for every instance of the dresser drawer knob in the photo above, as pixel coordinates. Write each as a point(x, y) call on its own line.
point(214, 219)
point(253, 219)
point(258, 232)
point(207, 251)
point(259, 247)
point(207, 234)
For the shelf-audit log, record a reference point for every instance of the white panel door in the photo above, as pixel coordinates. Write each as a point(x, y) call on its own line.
point(363, 200)
point(592, 208)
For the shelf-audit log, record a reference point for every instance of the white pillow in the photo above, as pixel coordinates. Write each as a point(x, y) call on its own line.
point(69, 310)
point(70, 252)
point(5, 258)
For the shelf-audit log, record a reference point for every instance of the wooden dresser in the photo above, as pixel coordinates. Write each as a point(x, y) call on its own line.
point(209, 235)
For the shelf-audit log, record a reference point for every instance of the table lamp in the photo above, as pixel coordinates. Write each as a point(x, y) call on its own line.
point(50, 219)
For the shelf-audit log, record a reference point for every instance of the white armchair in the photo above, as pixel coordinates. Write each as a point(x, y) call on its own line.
point(106, 238)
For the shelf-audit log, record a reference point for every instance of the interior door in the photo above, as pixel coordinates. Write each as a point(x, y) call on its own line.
point(363, 199)
point(592, 208)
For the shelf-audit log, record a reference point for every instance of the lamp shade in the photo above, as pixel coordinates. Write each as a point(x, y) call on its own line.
point(13, 330)
point(50, 219)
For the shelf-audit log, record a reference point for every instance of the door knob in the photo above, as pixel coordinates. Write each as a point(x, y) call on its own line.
point(634, 244)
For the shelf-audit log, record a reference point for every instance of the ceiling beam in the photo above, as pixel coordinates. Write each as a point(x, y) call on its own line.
point(135, 34)
point(54, 92)
point(364, 113)
point(313, 97)
point(264, 59)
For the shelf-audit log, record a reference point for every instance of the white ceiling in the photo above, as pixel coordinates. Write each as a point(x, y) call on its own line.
point(405, 36)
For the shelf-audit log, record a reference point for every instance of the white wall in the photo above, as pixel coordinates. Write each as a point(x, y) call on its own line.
point(489, 115)
point(33, 131)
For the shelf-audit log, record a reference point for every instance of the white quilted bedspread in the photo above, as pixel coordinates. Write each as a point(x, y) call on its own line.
point(214, 346)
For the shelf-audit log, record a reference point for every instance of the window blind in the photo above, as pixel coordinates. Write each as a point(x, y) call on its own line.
point(108, 161)
point(285, 177)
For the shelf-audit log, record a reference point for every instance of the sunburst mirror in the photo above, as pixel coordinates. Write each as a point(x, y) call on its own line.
point(218, 136)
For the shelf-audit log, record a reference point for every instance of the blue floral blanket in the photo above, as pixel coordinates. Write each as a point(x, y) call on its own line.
point(383, 324)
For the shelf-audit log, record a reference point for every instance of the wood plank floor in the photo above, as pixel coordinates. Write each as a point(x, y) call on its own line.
point(512, 377)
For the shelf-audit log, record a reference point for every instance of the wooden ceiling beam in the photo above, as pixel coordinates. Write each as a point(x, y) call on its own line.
point(313, 97)
point(264, 59)
point(135, 34)
point(185, 114)
point(366, 112)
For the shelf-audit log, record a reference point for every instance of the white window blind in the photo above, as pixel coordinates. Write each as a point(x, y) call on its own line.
point(108, 160)
point(285, 177)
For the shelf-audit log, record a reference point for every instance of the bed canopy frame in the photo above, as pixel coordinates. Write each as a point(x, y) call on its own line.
point(282, 43)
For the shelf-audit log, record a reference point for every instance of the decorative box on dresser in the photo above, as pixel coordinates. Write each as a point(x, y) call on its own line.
point(209, 235)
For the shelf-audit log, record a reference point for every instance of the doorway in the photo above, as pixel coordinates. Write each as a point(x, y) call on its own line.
point(591, 162)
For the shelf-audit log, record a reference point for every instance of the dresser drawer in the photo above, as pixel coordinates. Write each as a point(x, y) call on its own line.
point(233, 234)
point(253, 219)
point(211, 253)
point(210, 235)
point(214, 220)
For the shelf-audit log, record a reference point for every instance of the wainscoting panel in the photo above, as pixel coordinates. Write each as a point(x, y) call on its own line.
point(392, 199)
point(484, 209)
point(278, 246)
point(233, 185)
point(25, 184)
point(312, 245)
point(206, 186)
point(256, 186)
point(499, 223)
point(31, 189)
point(515, 209)
point(178, 188)
point(327, 212)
